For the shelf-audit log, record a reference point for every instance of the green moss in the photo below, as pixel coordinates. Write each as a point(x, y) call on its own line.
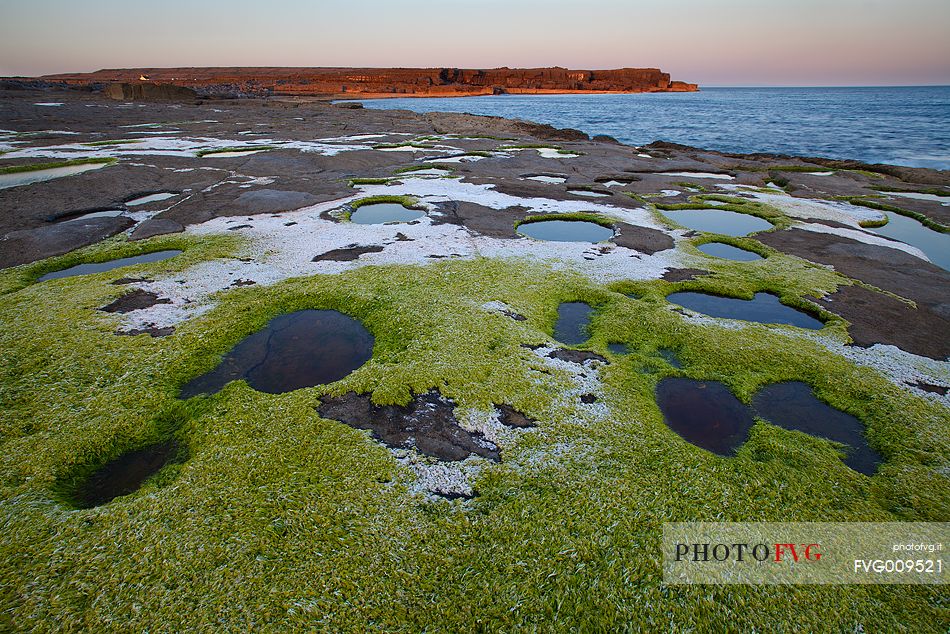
point(283, 520)
point(406, 201)
point(32, 167)
point(114, 142)
point(423, 166)
point(698, 187)
point(286, 512)
point(245, 148)
point(581, 216)
point(368, 181)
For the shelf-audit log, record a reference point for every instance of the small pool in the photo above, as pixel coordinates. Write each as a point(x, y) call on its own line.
point(793, 405)
point(381, 213)
point(764, 308)
point(573, 321)
point(704, 413)
point(99, 267)
point(935, 245)
point(150, 198)
point(293, 351)
point(728, 252)
point(729, 223)
point(37, 176)
point(566, 231)
point(554, 180)
point(588, 193)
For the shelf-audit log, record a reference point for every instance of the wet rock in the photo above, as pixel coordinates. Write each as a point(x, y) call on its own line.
point(242, 282)
point(873, 317)
point(240, 227)
point(259, 201)
point(136, 300)
point(588, 399)
point(156, 227)
point(347, 254)
point(427, 424)
point(29, 245)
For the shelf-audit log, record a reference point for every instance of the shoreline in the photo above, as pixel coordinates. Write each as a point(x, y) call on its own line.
point(477, 443)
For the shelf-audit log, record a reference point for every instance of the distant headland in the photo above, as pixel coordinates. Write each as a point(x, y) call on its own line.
point(386, 82)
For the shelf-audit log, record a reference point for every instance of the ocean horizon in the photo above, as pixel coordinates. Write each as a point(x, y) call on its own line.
point(897, 125)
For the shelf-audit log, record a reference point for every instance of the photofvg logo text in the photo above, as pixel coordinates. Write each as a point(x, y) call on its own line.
point(814, 553)
point(777, 552)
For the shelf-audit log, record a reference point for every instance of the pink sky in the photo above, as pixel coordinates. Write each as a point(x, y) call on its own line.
point(731, 42)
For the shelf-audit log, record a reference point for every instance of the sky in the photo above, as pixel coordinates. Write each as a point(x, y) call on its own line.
point(725, 43)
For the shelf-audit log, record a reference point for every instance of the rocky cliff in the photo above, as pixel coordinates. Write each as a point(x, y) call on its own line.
point(381, 82)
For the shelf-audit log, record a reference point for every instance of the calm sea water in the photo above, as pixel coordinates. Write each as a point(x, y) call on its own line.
point(897, 125)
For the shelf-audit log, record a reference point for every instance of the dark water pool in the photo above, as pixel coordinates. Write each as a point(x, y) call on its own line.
point(573, 319)
point(764, 308)
point(793, 405)
point(125, 474)
point(728, 252)
point(704, 413)
point(293, 351)
point(99, 267)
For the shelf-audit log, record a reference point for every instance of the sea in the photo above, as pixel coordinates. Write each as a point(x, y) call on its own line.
point(897, 125)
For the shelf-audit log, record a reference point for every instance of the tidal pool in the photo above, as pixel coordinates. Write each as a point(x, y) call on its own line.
point(669, 355)
point(588, 193)
point(231, 153)
point(722, 221)
point(150, 198)
point(943, 200)
point(764, 308)
point(293, 351)
point(125, 474)
point(105, 213)
point(36, 176)
point(793, 406)
point(697, 175)
point(704, 413)
point(554, 180)
point(99, 267)
point(935, 245)
point(573, 320)
point(381, 213)
point(566, 231)
point(728, 252)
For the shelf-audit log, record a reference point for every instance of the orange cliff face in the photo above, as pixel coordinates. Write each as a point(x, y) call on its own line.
point(382, 82)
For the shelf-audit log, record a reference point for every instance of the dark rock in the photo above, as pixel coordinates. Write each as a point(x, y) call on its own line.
point(427, 424)
point(576, 356)
point(683, 275)
point(642, 239)
point(29, 245)
point(156, 227)
point(513, 418)
point(136, 300)
point(347, 254)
